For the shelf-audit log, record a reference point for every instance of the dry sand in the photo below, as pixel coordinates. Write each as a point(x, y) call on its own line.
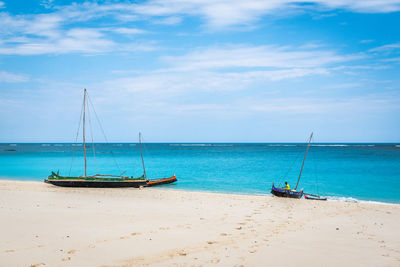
point(44, 225)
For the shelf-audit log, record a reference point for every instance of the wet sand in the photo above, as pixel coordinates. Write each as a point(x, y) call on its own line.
point(44, 225)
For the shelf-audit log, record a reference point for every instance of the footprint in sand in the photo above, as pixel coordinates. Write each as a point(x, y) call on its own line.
point(66, 259)
point(91, 246)
point(37, 264)
point(239, 228)
point(252, 251)
point(242, 223)
point(211, 242)
point(124, 237)
point(182, 253)
point(223, 234)
point(40, 246)
point(215, 261)
point(133, 234)
point(10, 250)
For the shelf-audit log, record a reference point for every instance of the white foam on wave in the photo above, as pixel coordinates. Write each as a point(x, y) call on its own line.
point(58, 145)
point(190, 144)
point(132, 144)
point(12, 144)
point(46, 145)
point(397, 145)
point(354, 200)
point(343, 199)
point(283, 145)
point(333, 145)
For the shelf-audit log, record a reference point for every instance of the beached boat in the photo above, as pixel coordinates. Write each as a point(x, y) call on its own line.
point(97, 180)
point(153, 182)
point(314, 197)
point(283, 192)
point(102, 180)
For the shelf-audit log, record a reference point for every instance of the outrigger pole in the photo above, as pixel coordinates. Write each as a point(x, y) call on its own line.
point(141, 154)
point(302, 165)
point(84, 144)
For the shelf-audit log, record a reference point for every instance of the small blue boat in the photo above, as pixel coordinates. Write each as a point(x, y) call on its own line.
point(283, 192)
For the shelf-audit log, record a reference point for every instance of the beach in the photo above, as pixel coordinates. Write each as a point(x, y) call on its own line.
point(44, 225)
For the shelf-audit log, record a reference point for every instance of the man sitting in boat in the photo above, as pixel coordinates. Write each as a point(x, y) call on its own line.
point(287, 187)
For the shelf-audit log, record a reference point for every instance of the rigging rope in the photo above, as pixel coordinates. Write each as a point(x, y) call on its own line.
point(102, 130)
point(91, 133)
point(76, 139)
point(292, 164)
point(315, 173)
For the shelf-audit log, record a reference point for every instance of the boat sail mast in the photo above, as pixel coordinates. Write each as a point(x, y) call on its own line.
point(84, 143)
point(305, 155)
point(141, 154)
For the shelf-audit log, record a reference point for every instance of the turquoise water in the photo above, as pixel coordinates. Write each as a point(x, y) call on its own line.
point(368, 172)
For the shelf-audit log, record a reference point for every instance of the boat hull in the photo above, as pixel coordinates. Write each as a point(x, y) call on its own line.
point(96, 184)
point(312, 197)
point(279, 192)
point(161, 181)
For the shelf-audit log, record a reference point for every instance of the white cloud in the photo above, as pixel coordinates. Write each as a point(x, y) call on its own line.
point(42, 31)
point(385, 48)
point(7, 77)
point(223, 13)
point(125, 30)
point(256, 57)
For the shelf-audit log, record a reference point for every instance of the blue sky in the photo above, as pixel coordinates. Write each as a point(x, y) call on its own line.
point(201, 70)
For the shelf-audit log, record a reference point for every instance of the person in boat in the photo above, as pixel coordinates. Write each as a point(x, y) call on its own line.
point(287, 187)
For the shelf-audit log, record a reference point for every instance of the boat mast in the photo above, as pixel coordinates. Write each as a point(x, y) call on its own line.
point(84, 144)
point(302, 165)
point(141, 154)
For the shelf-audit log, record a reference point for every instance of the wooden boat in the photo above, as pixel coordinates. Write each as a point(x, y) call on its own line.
point(283, 192)
point(97, 180)
point(161, 181)
point(314, 197)
point(101, 180)
point(153, 182)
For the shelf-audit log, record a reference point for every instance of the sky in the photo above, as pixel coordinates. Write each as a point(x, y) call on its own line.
point(201, 70)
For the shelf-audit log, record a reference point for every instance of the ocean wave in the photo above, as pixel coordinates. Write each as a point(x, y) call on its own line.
point(355, 200)
point(190, 144)
point(214, 145)
point(132, 144)
point(12, 144)
point(285, 145)
point(397, 145)
point(343, 199)
point(46, 145)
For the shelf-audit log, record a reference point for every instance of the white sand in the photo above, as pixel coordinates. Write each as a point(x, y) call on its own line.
point(44, 225)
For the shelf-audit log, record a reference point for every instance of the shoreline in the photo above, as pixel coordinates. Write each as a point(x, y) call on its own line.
point(160, 227)
point(267, 194)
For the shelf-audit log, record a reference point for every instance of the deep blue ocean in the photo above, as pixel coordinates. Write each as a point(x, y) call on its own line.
point(365, 172)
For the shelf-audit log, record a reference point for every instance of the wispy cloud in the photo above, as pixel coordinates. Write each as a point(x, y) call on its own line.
point(223, 13)
point(256, 57)
point(385, 48)
point(40, 33)
point(7, 77)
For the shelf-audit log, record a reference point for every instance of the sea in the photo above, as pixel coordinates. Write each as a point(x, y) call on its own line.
point(343, 172)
